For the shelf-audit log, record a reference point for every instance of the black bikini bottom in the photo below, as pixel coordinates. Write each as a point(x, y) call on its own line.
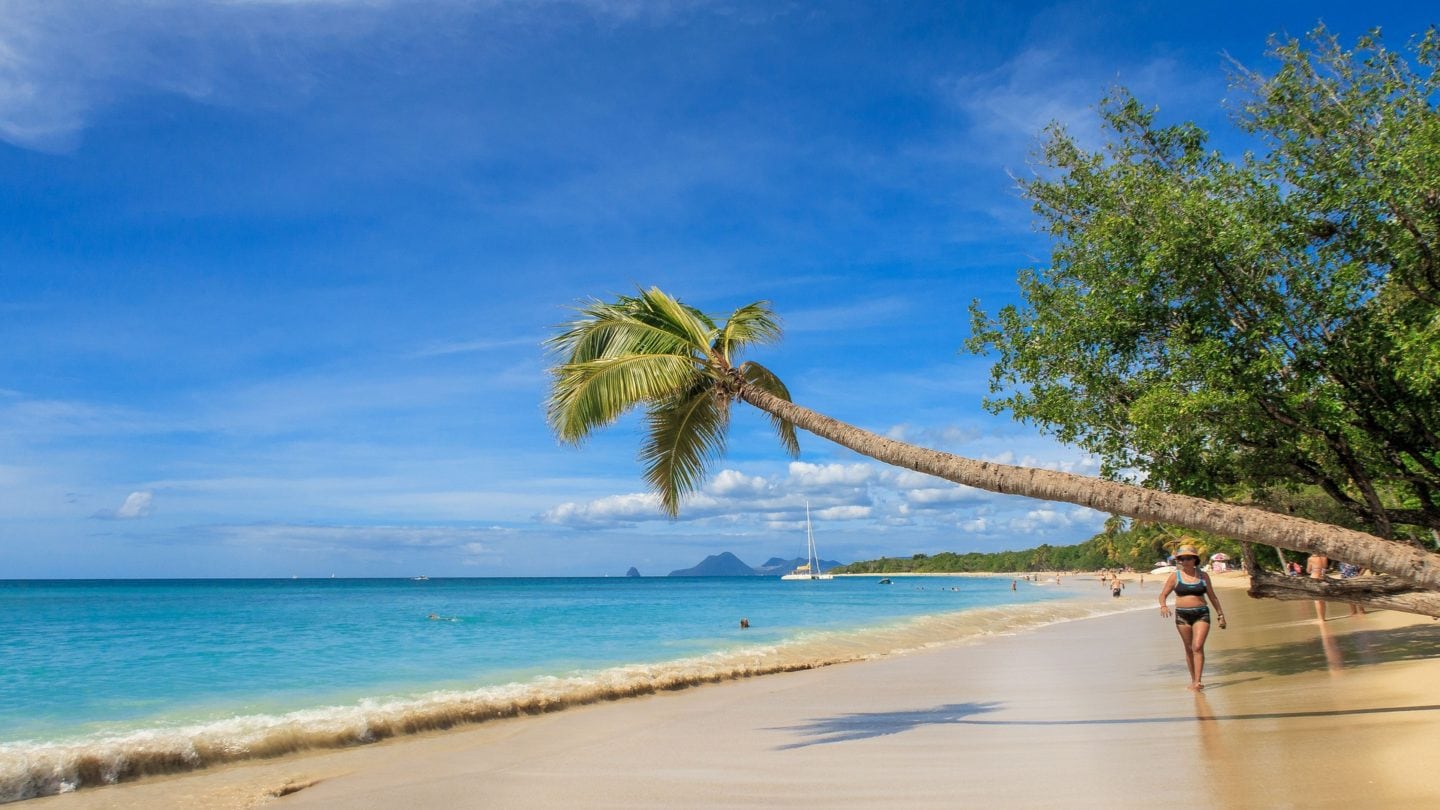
point(1191, 615)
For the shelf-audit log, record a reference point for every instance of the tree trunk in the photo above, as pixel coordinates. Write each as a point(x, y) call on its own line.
point(1380, 592)
point(1385, 593)
point(1408, 563)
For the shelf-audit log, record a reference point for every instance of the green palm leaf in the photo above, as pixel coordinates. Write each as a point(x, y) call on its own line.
point(595, 393)
point(764, 379)
point(685, 436)
point(750, 324)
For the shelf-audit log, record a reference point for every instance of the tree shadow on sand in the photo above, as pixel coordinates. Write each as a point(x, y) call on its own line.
point(860, 726)
point(866, 725)
point(1356, 649)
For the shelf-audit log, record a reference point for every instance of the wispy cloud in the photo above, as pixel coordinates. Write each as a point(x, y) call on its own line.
point(854, 315)
point(1020, 98)
point(1056, 82)
point(468, 541)
point(62, 62)
point(443, 349)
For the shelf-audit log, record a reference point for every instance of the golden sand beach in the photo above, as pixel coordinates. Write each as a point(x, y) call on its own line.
point(1088, 713)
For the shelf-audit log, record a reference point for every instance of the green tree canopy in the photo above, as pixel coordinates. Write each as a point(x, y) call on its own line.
point(1247, 328)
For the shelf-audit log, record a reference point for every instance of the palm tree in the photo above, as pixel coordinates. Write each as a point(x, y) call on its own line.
point(1109, 537)
point(683, 367)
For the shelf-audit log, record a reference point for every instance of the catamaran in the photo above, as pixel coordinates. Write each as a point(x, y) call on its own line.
point(811, 568)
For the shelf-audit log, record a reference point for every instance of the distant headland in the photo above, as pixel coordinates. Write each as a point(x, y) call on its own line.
point(726, 564)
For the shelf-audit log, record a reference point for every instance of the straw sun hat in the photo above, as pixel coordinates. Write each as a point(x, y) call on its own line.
point(1187, 550)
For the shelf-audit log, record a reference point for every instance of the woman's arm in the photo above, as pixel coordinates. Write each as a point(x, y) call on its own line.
point(1214, 599)
point(1165, 594)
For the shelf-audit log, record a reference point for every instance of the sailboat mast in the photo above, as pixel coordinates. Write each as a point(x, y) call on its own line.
point(814, 560)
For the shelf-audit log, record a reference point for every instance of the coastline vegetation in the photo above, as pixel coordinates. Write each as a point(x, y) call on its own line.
point(1124, 543)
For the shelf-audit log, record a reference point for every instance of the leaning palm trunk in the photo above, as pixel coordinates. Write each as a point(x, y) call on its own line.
point(1383, 592)
point(1412, 565)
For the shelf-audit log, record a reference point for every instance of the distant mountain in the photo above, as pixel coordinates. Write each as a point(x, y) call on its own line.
point(723, 564)
point(775, 566)
point(726, 564)
point(633, 572)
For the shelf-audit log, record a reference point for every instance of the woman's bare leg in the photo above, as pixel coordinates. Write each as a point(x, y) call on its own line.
point(1200, 631)
point(1187, 633)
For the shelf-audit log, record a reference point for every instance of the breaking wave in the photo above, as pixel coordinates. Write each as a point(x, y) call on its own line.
point(30, 769)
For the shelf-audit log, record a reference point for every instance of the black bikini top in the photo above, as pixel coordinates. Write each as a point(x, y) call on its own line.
point(1183, 588)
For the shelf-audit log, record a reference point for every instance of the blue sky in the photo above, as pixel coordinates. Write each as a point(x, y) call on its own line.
point(274, 274)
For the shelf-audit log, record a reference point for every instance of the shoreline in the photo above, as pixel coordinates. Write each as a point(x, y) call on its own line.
point(34, 769)
point(1079, 709)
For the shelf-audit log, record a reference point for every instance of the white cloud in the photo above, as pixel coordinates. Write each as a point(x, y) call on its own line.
point(1057, 518)
point(945, 495)
point(867, 493)
point(827, 475)
point(137, 505)
point(844, 513)
point(611, 510)
point(732, 483)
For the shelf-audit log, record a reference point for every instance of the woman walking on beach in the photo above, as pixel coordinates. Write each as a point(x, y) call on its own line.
point(1192, 613)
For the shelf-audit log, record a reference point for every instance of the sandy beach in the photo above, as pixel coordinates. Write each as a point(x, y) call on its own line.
point(1087, 713)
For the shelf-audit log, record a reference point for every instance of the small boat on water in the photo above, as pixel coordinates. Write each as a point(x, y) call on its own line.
point(421, 578)
point(886, 581)
point(811, 568)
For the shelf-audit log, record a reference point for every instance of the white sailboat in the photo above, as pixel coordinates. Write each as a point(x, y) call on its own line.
point(811, 568)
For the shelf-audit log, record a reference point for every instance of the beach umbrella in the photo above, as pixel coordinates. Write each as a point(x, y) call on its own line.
point(1222, 556)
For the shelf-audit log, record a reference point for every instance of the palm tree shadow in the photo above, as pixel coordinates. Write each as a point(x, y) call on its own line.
point(866, 725)
point(851, 727)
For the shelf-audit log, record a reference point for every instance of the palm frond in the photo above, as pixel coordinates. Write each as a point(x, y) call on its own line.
point(656, 307)
point(752, 324)
point(765, 379)
point(686, 434)
point(645, 348)
point(592, 394)
point(615, 329)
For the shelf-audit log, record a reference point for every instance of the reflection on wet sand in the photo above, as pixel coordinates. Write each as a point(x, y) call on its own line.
point(1334, 661)
point(1211, 738)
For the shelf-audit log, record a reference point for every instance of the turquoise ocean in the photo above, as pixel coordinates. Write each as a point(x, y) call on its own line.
point(102, 681)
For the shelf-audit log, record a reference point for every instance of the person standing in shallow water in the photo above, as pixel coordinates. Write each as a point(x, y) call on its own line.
point(1317, 566)
point(1192, 612)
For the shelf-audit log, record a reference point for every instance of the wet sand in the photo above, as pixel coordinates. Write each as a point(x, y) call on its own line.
point(1091, 713)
